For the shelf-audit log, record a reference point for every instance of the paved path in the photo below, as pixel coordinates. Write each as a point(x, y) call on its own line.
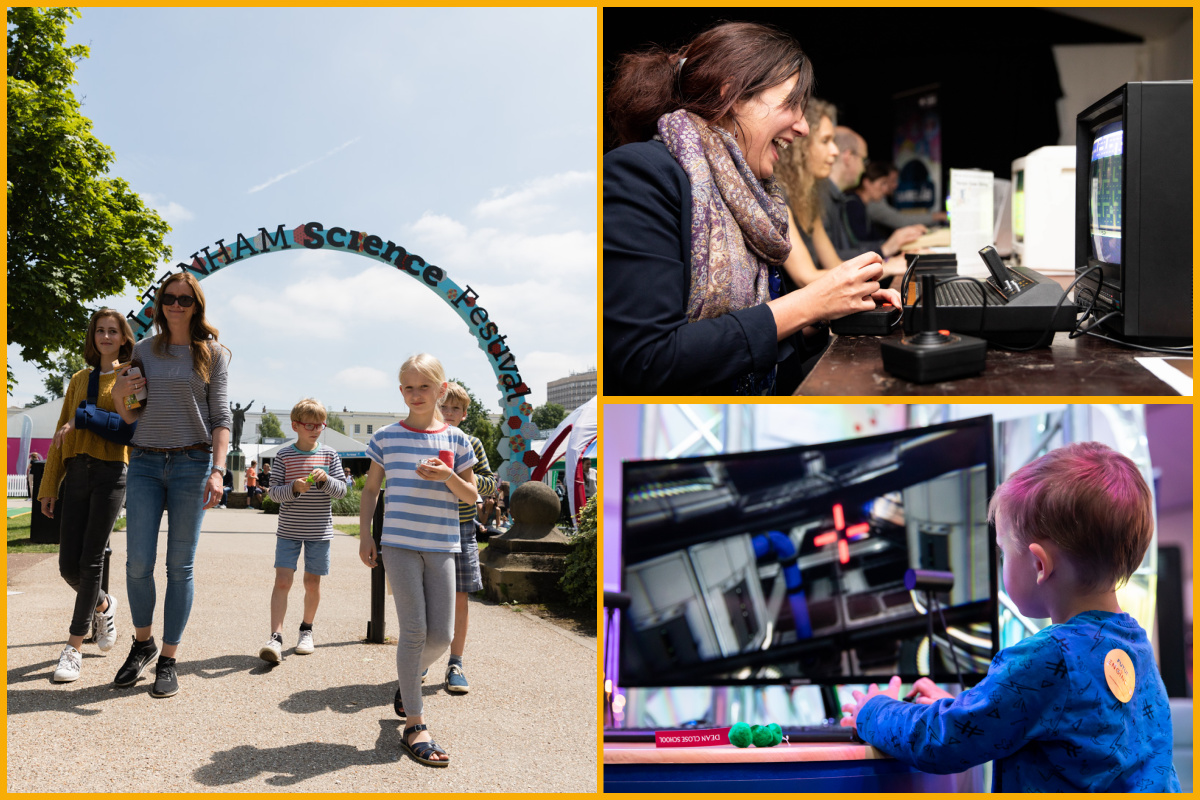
point(316, 723)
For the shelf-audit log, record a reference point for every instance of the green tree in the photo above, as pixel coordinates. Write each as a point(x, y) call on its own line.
point(335, 422)
point(548, 416)
point(61, 370)
point(478, 425)
point(75, 235)
point(269, 427)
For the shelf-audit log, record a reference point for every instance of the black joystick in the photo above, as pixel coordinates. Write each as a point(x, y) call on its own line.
point(933, 355)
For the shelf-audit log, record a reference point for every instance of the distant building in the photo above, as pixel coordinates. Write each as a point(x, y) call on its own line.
point(572, 391)
point(360, 425)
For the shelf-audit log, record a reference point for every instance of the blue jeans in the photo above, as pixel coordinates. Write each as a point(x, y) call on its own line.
point(174, 482)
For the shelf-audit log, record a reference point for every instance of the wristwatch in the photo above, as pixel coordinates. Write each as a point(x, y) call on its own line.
point(217, 468)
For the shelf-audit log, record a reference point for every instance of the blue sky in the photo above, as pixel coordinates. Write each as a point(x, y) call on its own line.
point(466, 135)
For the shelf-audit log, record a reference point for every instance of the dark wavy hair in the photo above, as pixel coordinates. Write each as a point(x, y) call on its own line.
point(740, 58)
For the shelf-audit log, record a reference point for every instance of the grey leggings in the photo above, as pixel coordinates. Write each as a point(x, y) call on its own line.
point(423, 586)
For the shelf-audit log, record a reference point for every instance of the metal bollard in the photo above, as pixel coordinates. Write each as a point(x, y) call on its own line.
point(375, 625)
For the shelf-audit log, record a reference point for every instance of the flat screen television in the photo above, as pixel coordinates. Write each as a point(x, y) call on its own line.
point(787, 566)
point(1133, 210)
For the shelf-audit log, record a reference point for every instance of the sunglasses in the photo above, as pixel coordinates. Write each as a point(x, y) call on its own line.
point(312, 426)
point(184, 300)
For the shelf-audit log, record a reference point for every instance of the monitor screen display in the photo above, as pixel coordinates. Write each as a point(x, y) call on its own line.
point(788, 566)
point(1104, 193)
point(1018, 225)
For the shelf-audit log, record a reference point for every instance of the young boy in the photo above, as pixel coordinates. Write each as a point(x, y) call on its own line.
point(466, 562)
point(1078, 706)
point(306, 478)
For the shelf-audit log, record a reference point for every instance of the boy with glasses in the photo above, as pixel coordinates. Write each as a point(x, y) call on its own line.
point(306, 478)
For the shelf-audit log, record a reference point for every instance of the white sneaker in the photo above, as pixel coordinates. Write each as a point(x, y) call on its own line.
point(305, 645)
point(68, 665)
point(104, 625)
point(272, 651)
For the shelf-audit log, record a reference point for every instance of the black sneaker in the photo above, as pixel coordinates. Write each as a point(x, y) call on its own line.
point(166, 682)
point(140, 656)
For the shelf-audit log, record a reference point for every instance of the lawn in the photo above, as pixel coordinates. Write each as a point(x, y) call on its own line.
point(18, 537)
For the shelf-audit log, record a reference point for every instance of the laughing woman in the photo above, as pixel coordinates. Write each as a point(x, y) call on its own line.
point(176, 465)
point(92, 472)
point(695, 225)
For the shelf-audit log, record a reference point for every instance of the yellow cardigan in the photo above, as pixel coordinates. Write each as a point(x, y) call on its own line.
point(76, 441)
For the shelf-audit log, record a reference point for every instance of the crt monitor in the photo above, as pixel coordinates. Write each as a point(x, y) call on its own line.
point(788, 566)
point(1133, 210)
point(1043, 210)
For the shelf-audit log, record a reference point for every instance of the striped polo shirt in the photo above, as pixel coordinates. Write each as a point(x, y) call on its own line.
point(310, 515)
point(485, 481)
point(419, 514)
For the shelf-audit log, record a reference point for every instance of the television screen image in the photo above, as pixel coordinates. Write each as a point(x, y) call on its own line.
point(1104, 194)
point(788, 566)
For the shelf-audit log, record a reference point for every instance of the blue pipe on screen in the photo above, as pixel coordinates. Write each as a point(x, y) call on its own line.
point(775, 544)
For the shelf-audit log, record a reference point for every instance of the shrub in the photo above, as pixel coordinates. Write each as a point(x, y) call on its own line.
point(579, 581)
point(347, 506)
point(269, 506)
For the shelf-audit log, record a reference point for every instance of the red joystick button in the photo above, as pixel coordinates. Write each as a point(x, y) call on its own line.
point(944, 333)
point(885, 305)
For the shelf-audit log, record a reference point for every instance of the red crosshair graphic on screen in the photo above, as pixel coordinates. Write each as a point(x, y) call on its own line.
point(842, 535)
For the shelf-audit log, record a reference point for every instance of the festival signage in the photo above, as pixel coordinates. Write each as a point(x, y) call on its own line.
point(517, 448)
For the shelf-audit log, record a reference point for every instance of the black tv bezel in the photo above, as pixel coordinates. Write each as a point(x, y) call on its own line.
point(1112, 107)
point(992, 604)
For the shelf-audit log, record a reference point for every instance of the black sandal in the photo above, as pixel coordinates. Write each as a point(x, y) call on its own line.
point(398, 705)
point(421, 751)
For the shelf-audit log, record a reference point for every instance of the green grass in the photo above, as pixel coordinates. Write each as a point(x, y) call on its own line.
point(18, 537)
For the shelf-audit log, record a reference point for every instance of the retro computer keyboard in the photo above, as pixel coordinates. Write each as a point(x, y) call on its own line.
point(1018, 308)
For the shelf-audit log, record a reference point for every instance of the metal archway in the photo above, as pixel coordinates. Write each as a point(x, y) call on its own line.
point(516, 447)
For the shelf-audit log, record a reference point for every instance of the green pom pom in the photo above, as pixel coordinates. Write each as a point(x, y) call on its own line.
point(740, 735)
point(763, 736)
point(776, 734)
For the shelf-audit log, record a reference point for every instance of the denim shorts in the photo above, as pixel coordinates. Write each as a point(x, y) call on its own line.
point(316, 554)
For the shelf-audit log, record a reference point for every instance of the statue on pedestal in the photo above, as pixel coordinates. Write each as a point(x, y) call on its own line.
point(239, 419)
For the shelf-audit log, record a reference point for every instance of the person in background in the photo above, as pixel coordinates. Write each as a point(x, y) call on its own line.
point(885, 218)
point(91, 470)
point(844, 174)
point(872, 187)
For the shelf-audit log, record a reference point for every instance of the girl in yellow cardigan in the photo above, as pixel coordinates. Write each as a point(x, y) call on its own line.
point(92, 475)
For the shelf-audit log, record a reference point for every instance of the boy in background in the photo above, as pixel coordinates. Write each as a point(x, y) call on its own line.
point(466, 562)
point(1080, 705)
point(307, 477)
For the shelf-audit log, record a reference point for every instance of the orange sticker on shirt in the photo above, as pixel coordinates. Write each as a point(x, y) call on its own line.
point(1118, 671)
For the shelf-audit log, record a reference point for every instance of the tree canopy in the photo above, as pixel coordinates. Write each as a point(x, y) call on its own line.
point(335, 422)
point(478, 425)
point(269, 426)
point(75, 235)
point(548, 416)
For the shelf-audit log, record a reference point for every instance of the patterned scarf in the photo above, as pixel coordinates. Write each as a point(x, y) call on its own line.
point(739, 225)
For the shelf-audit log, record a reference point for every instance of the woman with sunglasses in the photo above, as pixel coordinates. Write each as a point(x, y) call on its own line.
point(176, 464)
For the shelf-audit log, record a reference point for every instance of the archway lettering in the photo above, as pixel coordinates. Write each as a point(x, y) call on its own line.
point(516, 446)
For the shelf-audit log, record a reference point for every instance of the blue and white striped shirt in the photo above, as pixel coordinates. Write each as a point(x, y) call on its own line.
point(419, 514)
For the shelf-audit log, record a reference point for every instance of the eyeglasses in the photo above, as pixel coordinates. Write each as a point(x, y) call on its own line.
point(312, 426)
point(184, 300)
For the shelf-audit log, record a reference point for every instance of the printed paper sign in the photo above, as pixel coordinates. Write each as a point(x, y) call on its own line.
point(706, 738)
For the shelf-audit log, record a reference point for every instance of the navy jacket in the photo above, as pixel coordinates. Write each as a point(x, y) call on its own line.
point(649, 346)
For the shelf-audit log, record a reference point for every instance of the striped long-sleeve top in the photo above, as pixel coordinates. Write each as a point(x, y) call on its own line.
point(309, 515)
point(485, 480)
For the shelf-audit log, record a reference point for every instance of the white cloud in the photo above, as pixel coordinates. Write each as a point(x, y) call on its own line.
point(537, 200)
point(172, 212)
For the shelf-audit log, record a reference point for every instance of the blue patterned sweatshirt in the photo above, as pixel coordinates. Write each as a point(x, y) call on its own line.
point(1046, 715)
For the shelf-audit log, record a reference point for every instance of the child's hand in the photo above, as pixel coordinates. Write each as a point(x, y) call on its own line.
point(300, 486)
point(318, 475)
point(432, 469)
point(860, 699)
point(366, 549)
point(929, 691)
point(62, 432)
